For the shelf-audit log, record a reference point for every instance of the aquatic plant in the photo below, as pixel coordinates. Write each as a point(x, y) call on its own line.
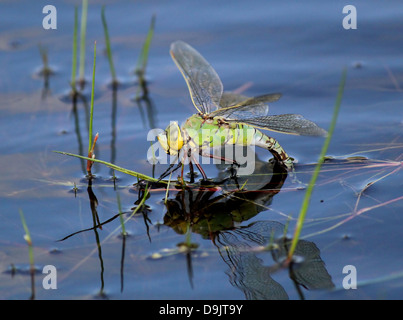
point(108, 48)
point(74, 59)
point(143, 59)
point(46, 71)
point(28, 239)
point(308, 193)
point(91, 145)
point(83, 31)
point(115, 167)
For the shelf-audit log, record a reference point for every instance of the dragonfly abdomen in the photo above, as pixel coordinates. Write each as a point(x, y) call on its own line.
point(245, 135)
point(264, 141)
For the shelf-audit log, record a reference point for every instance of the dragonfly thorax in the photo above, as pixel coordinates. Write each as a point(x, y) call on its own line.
point(201, 132)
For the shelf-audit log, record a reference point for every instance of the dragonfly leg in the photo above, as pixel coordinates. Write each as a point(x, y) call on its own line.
point(201, 171)
point(168, 171)
point(182, 173)
point(192, 173)
point(234, 162)
point(200, 168)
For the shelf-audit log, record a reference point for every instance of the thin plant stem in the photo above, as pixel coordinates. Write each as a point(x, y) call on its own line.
point(142, 61)
point(108, 46)
point(307, 198)
point(74, 62)
point(91, 155)
point(143, 58)
point(167, 191)
point(91, 145)
point(83, 32)
point(115, 167)
point(92, 100)
point(44, 56)
point(28, 239)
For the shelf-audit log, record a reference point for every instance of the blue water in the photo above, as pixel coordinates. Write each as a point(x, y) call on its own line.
point(298, 49)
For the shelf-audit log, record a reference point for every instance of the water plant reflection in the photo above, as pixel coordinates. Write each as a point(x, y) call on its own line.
point(218, 212)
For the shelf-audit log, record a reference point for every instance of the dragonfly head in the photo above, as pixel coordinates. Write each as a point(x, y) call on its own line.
point(171, 139)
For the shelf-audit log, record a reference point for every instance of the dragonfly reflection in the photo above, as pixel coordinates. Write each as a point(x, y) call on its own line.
point(217, 215)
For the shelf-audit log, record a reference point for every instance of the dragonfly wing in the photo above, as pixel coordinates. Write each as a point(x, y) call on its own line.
point(229, 99)
point(234, 106)
point(243, 112)
point(233, 100)
point(204, 84)
point(285, 123)
point(266, 98)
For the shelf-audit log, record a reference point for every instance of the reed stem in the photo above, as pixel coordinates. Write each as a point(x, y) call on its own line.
point(28, 239)
point(74, 62)
point(115, 167)
point(83, 32)
point(108, 46)
point(92, 100)
point(143, 58)
point(307, 198)
point(91, 145)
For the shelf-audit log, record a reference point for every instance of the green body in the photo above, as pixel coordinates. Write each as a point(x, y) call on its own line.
point(202, 132)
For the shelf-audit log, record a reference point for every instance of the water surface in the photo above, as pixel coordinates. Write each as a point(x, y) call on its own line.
point(298, 49)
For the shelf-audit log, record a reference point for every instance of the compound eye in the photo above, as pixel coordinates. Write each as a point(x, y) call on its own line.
point(174, 135)
point(162, 138)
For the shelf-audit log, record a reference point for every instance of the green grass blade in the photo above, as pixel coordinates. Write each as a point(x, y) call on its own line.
point(167, 191)
point(92, 100)
point(307, 198)
point(143, 58)
point(74, 62)
point(46, 71)
point(28, 239)
point(108, 45)
point(140, 205)
point(83, 32)
point(115, 167)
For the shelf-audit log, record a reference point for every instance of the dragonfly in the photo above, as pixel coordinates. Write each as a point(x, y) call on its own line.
point(225, 118)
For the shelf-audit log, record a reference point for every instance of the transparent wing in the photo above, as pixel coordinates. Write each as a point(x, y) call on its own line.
point(229, 99)
point(204, 84)
point(234, 106)
point(234, 100)
point(284, 123)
